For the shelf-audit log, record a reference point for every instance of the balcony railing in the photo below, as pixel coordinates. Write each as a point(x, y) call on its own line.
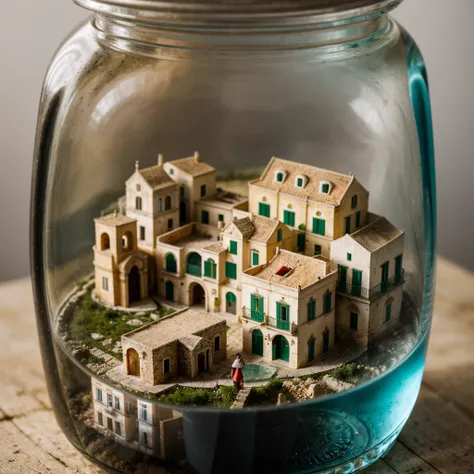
point(194, 270)
point(377, 290)
point(269, 321)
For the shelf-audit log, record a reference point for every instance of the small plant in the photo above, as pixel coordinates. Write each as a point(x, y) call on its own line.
point(266, 394)
point(346, 372)
point(302, 227)
point(222, 397)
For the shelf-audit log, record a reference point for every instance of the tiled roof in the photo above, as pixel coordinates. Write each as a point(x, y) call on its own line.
point(115, 220)
point(215, 248)
point(182, 324)
point(264, 228)
point(156, 177)
point(340, 182)
point(245, 227)
point(192, 166)
point(303, 271)
point(377, 234)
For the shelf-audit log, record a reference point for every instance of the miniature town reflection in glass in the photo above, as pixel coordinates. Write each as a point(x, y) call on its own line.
point(291, 271)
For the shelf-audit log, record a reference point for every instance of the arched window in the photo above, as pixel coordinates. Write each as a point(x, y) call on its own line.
point(127, 241)
point(171, 265)
point(160, 205)
point(210, 268)
point(327, 302)
point(194, 264)
point(311, 309)
point(138, 203)
point(104, 241)
point(167, 203)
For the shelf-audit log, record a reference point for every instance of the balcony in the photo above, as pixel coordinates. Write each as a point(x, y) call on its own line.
point(194, 270)
point(374, 292)
point(266, 320)
point(254, 315)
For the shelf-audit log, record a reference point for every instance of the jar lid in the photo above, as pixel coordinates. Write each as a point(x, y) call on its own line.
point(238, 11)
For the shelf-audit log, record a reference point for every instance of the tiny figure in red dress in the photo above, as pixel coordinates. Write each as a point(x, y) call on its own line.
point(237, 372)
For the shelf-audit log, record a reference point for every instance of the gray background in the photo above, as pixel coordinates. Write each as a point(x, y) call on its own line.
point(32, 30)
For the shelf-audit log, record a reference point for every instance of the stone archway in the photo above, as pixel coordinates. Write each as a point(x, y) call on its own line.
point(197, 295)
point(133, 362)
point(134, 285)
point(280, 348)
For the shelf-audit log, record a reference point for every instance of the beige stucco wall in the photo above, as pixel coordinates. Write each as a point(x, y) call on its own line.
point(258, 194)
point(214, 210)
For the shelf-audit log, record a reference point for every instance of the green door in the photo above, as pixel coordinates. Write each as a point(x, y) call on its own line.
point(342, 278)
point(356, 282)
point(169, 291)
point(398, 269)
point(348, 224)
point(205, 217)
point(281, 348)
point(264, 209)
point(311, 344)
point(326, 340)
point(257, 342)
point(384, 280)
point(231, 303)
point(256, 308)
point(255, 259)
point(301, 242)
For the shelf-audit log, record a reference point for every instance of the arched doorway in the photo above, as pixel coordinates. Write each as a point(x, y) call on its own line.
point(257, 342)
point(280, 348)
point(194, 264)
point(198, 295)
point(169, 290)
point(231, 303)
point(133, 363)
point(134, 290)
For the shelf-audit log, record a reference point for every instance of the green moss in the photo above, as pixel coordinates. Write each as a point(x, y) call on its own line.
point(346, 372)
point(222, 397)
point(266, 394)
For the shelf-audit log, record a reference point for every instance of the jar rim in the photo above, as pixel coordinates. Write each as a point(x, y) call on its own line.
point(234, 12)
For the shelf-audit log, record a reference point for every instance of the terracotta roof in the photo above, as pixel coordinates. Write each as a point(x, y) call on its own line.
point(182, 324)
point(377, 234)
point(115, 220)
point(340, 182)
point(264, 228)
point(156, 177)
point(215, 248)
point(245, 227)
point(303, 271)
point(192, 166)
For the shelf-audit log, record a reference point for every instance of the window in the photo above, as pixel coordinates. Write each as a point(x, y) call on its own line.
point(138, 203)
point(170, 224)
point(354, 201)
point(100, 418)
point(300, 242)
point(358, 219)
point(109, 400)
point(210, 268)
point(117, 403)
point(384, 279)
point(110, 424)
point(327, 302)
point(220, 217)
point(144, 412)
point(255, 258)
point(167, 203)
point(142, 233)
point(171, 170)
point(356, 282)
point(233, 247)
point(145, 438)
point(205, 217)
point(105, 283)
point(349, 257)
point(104, 242)
point(388, 312)
point(398, 269)
point(283, 316)
point(139, 188)
point(319, 226)
point(289, 218)
point(203, 190)
point(118, 428)
point(348, 224)
point(166, 366)
point(354, 321)
point(279, 177)
point(264, 209)
point(311, 309)
point(299, 182)
point(324, 188)
point(341, 278)
point(280, 235)
point(317, 249)
point(231, 270)
point(99, 394)
point(171, 265)
point(160, 205)
point(217, 343)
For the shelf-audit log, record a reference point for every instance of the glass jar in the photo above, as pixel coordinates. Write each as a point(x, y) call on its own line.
point(151, 271)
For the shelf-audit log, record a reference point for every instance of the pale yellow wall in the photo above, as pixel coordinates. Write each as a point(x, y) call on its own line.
point(257, 194)
point(388, 253)
point(344, 306)
point(214, 210)
point(292, 204)
point(378, 326)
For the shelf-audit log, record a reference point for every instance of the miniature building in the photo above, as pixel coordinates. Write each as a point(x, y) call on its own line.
point(121, 270)
point(186, 343)
point(151, 428)
point(289, 312)
point(323, 205)
point(370, 281)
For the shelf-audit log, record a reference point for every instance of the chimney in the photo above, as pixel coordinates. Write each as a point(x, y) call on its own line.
point(161, 159)
point(137, 165)
point(197, 156)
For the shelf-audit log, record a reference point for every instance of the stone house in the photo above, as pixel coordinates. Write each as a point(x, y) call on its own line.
point(184, 344)
point(321, 205)
point(121, 269)
point(289, 308)
point(370, 281)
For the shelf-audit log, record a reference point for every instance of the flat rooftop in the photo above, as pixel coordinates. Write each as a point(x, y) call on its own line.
point(114, 220)
point(181, 324)
point(293, 270)
point(226, 199)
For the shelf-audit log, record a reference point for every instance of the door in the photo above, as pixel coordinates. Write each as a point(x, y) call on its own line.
point(198, 295)
point(134, 285)
point(356, 282)
point(348, 224)
point(169, 291)
point(283, 316)
point(257, 342)
point(201, 362)
point(281, 348)
point(326, 340)
point(205, 217)
point(182, 212)
point(231, 303)
point(133, 362)
point(398, 269)
point(256, 308)
point(301, 242)
point(384, 280)
point(311, 345)
point(342, 280)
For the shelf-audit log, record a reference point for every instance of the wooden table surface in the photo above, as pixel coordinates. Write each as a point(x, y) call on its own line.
point(439, 437)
